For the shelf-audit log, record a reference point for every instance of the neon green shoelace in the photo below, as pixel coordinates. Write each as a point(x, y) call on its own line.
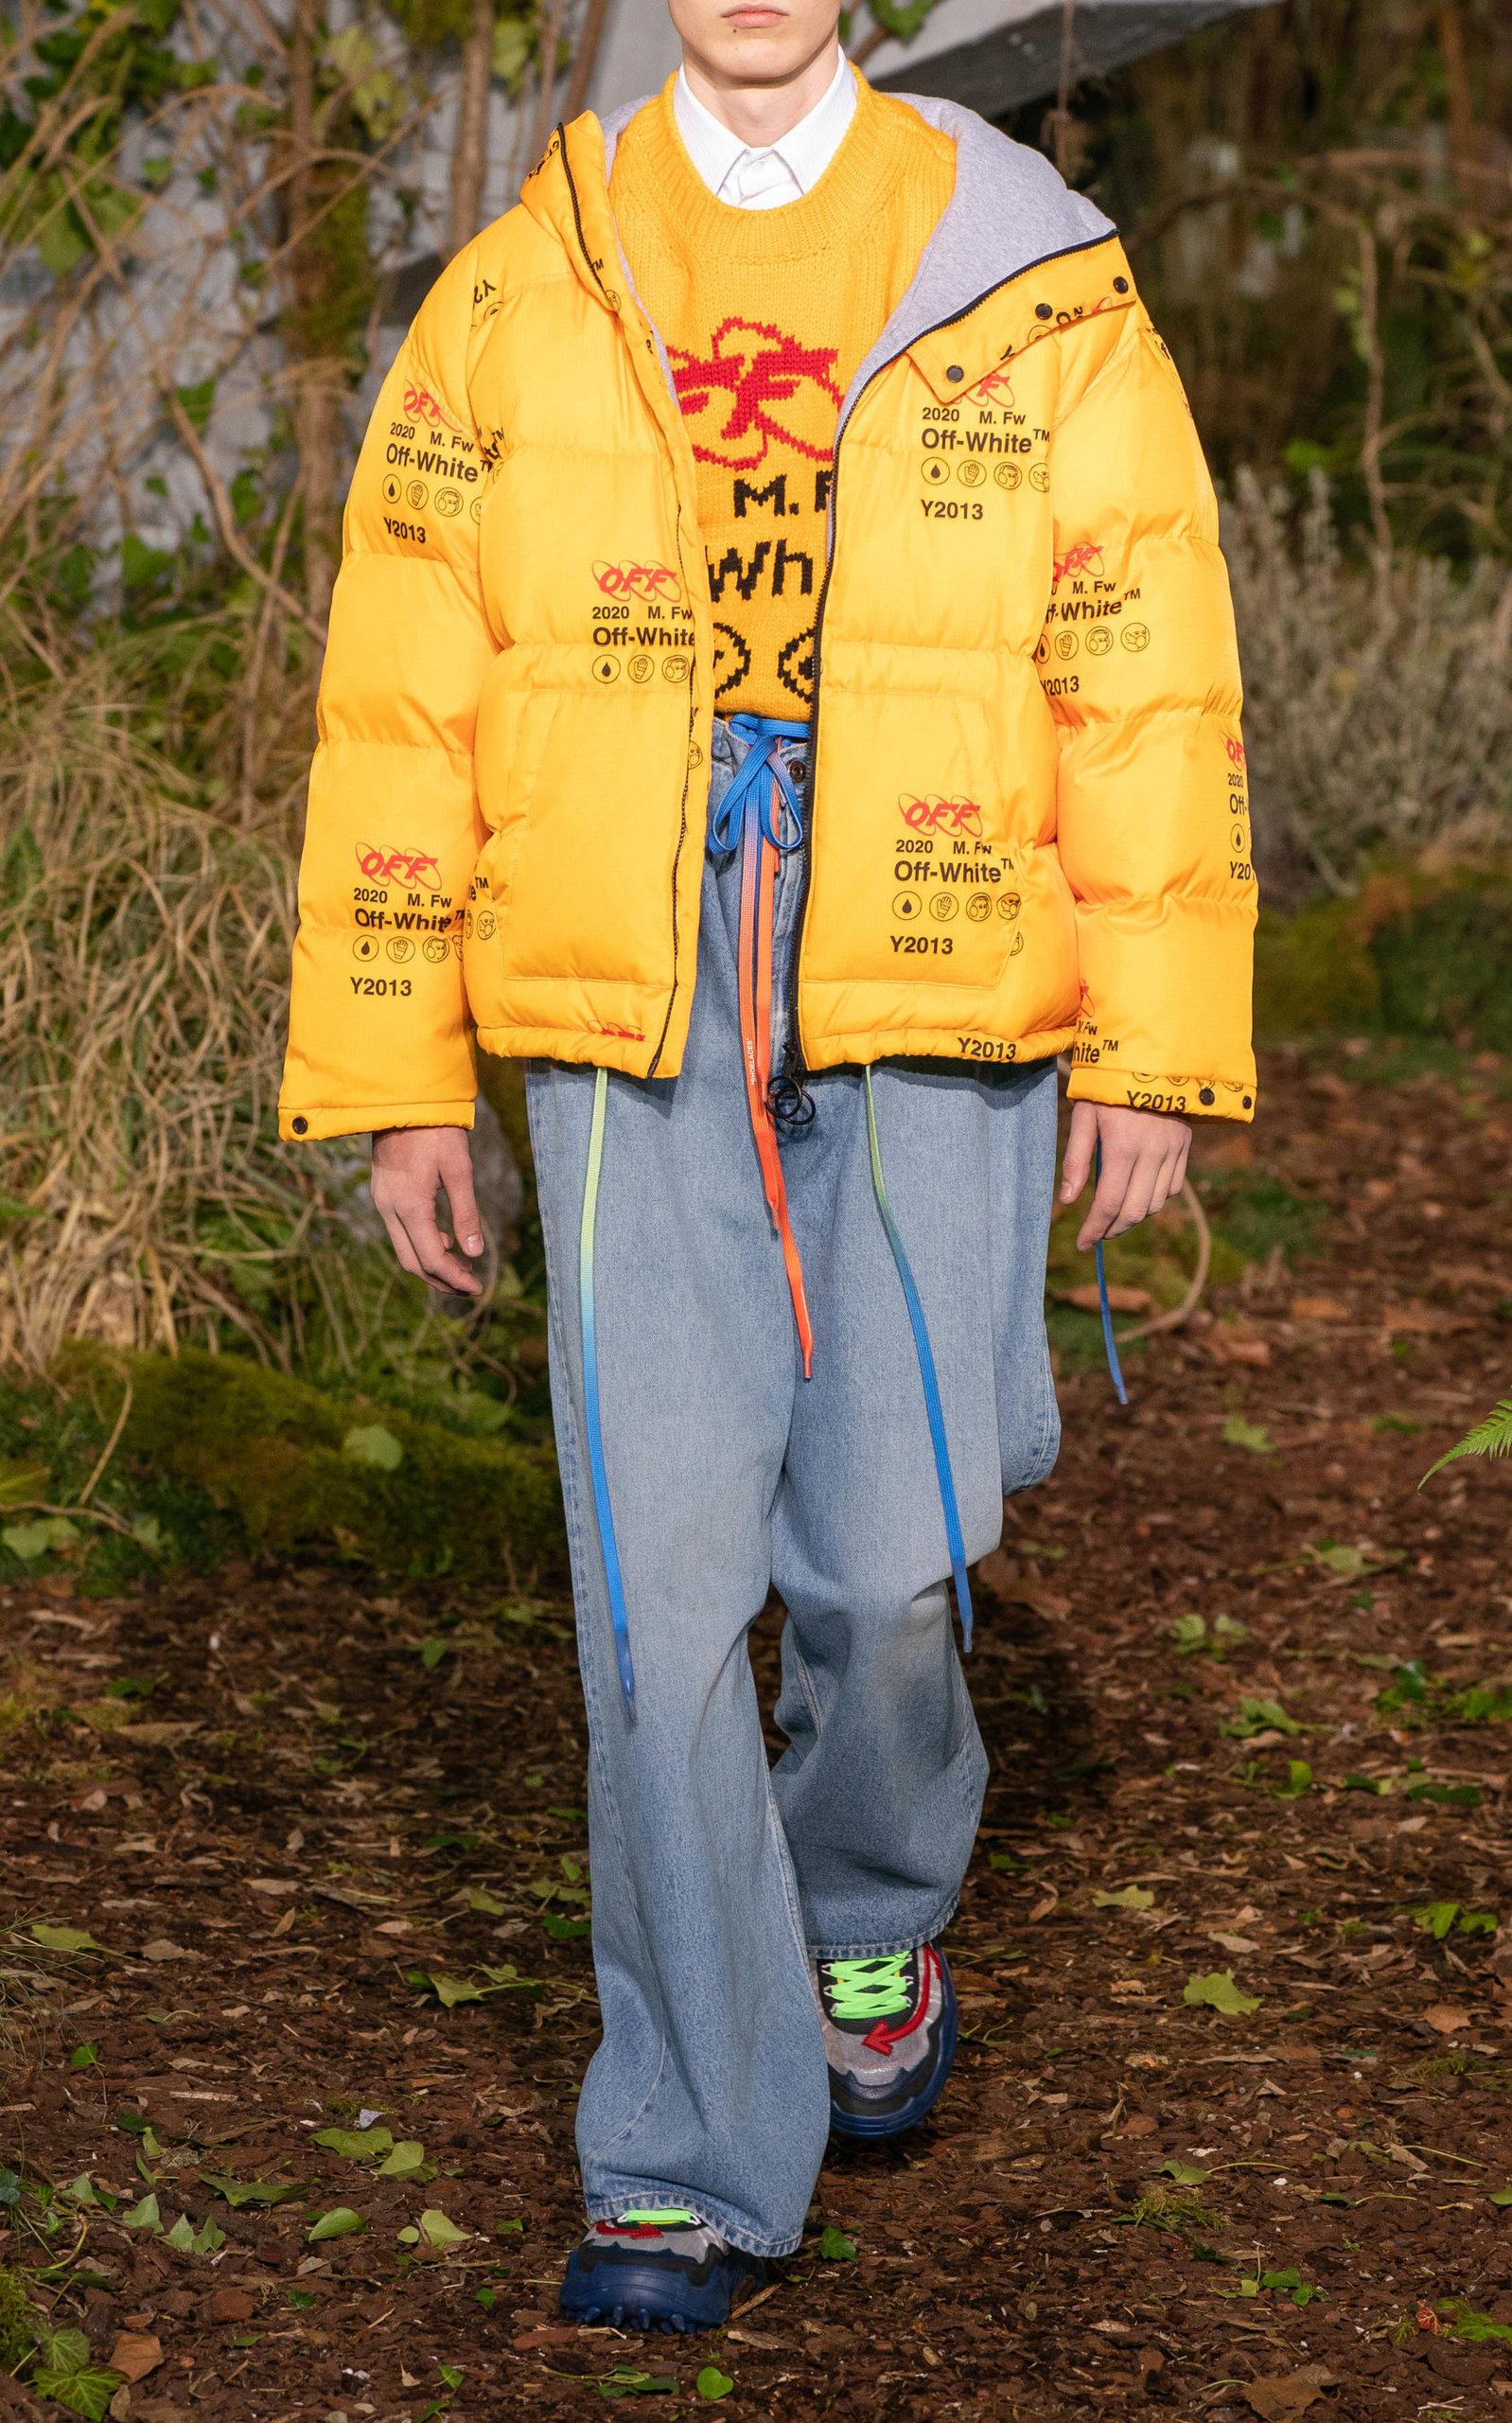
point(660, 2216)
point(868, 1988)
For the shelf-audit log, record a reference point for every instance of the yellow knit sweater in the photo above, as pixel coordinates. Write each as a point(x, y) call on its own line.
point(767, 314)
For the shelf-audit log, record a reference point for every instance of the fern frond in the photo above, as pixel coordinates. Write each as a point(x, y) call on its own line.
point(1492, 1436)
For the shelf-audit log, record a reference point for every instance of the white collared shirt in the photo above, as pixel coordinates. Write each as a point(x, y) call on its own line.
point(756, 180)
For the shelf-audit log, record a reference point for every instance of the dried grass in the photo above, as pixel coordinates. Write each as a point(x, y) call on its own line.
point(144, 953)
point(1377, 700)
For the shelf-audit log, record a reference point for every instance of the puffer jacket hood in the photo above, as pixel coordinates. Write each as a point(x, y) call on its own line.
point(1028, 830)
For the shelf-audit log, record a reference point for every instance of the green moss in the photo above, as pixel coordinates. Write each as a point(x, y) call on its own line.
point(1313, 971)
point(1418, 951)
point(282, 1460)
point(18, 2323)
point(1442, 962)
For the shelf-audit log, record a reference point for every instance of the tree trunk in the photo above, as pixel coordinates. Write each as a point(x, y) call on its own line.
point(585, 59)
point(1463, 140)
point(469, 160)
point(316, 383)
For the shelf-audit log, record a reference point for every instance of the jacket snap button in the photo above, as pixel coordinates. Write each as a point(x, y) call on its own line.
point(1044, 311)
point(955, 371)
point(1120, 286)
point(299, 1125)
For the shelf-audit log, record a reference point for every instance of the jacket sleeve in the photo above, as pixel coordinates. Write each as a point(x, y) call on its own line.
point(1140, 667)
point(379, 1031)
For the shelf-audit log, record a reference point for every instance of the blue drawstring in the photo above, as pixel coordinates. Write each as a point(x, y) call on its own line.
point(933, 1407)
point(1110, 1344)
point(602, 1506)
point(750, 788)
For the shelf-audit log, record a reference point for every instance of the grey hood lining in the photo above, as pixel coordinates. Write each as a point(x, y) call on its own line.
point(1007, 209)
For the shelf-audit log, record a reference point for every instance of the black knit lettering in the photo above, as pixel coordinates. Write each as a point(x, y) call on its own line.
point(733, 567)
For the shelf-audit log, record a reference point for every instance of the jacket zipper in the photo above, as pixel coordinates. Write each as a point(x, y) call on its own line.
point(950, 321)
point(693, 716)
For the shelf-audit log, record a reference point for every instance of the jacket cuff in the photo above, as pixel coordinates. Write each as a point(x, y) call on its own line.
point(1187, 1097)
point(298, 1125)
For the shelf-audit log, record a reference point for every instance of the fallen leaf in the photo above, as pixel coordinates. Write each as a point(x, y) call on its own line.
point(135, 2354)
point(1131, 1897)
point(161, 1949)
point(358, 2145)
point(1278, 2396)
point(1217, 1992)
point(1121, 1298)
point(1318, 1308)
point(229, 2305)
point(1225, 1344)
point(434, 2230)
point(62, 1938)
point(1446, 2019)
point(407, 2161)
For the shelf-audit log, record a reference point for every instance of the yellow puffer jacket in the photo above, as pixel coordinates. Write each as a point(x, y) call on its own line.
point(1028, 830)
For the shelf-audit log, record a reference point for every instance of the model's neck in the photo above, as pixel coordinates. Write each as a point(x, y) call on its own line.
point(762, 113)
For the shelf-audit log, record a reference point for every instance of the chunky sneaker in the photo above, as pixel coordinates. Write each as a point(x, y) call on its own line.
point(658, 2270)
point(889, 2038)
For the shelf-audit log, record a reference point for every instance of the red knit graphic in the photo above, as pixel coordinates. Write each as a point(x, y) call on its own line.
point(750, 371)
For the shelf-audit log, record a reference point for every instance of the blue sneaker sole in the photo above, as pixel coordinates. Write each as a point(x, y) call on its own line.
point(645, 2297)
point(868, 2128)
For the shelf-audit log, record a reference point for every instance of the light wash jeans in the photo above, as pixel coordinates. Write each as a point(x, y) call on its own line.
point(714, 1879)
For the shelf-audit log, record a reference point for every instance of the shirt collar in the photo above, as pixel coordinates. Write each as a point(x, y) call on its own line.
point(806, 150)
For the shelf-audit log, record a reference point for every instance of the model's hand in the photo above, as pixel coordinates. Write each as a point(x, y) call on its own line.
point(410, 1166)
point(1144, 1162)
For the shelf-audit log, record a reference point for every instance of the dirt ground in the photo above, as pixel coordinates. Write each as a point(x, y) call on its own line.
point(1239, 1682)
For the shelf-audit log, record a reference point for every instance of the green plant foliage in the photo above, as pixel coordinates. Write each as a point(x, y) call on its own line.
point(1492, 1436)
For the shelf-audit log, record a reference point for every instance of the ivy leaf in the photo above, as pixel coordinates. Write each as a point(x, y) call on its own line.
point(370, 1443)
point(63, 1939)
point(1131, 1897)
point(407, 2161)
point(34, 1539)
point(712, 2382)
point(435, 2231)
point(1250, 1435)
point(1186, 2174)
point(340, 2221)
point(1217, 1992)
point(1434, 1917)
point(64, 2371)
point(835, 2247)
point(142, 2216)
point(356, 2144)
point(240, 2192)
point(1258, 1716)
